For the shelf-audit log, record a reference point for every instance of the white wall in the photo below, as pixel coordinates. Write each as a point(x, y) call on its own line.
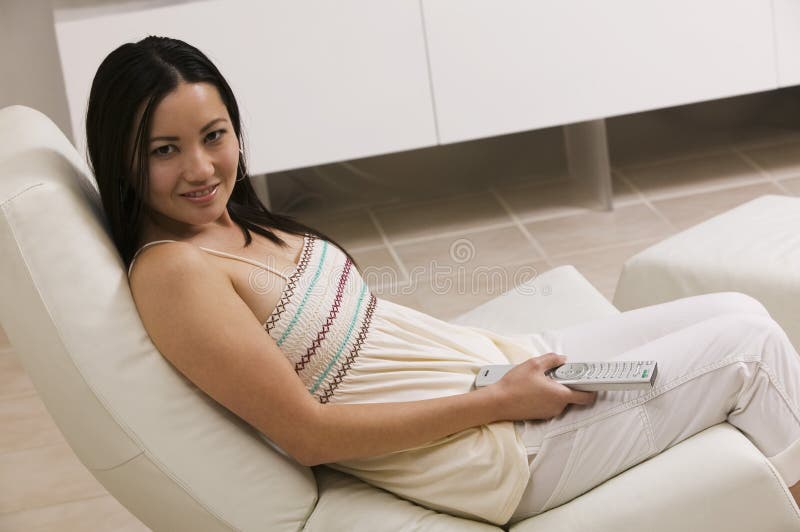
point(30, 70)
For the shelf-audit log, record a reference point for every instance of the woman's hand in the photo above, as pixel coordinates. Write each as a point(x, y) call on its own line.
point(526, 392)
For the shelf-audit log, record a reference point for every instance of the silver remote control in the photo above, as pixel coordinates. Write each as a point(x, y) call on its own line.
point(588, 376)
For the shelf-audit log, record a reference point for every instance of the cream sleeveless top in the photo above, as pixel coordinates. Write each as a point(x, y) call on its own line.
point(348, 346)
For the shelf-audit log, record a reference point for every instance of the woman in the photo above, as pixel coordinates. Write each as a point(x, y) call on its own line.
point(273, 320)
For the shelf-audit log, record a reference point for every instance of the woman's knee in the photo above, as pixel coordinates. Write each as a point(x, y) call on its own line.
point(740, 326)
point(734, 303)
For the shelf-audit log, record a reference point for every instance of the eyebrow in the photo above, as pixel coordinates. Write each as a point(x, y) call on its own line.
point(206, 127)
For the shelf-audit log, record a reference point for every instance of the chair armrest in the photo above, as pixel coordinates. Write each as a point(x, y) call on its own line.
point(715, 480)
point(346, 504)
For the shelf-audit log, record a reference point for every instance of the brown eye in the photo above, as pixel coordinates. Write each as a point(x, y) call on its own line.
point(163, 150)
point(215, 135)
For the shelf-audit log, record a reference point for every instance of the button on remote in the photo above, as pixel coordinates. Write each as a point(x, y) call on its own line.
point(571, 371)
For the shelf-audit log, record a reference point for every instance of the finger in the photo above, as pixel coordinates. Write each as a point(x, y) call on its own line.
point(582, 398)
point(552, 360)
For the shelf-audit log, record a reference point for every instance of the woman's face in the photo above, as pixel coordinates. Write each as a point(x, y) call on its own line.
point(192, 147)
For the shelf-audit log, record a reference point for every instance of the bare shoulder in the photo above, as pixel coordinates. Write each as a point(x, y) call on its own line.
point(173, 282)
point(160, 266)
point(201, 325)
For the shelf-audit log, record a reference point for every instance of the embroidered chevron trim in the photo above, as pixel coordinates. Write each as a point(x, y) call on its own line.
point(305, 258)
point(345, 367)
point(306, 295)
point(337, 302)
point(333, 361)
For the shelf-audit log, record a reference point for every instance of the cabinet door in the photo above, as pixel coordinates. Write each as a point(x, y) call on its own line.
point(787, 41)
point(316, 81)
point(511, 65)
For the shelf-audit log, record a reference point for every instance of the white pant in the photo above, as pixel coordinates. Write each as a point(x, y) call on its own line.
point(720, 358)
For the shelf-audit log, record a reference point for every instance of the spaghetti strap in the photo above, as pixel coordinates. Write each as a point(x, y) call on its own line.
point(142, 249)
point(249, 261)
point(223, 254)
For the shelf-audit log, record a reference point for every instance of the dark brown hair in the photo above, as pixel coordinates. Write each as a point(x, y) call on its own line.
point(138, 76)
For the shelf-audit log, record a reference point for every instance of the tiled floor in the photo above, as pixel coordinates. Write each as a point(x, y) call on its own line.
point(414, 222)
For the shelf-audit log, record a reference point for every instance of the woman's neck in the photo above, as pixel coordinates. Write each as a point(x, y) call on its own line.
point(155, 228)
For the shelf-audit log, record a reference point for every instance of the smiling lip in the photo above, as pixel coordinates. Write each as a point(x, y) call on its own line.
point(204, 198)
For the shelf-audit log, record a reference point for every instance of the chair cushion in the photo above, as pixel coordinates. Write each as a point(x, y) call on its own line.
point(347, 504)
point(554, 299)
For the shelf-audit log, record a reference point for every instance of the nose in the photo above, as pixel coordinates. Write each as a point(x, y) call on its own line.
point(199, 166)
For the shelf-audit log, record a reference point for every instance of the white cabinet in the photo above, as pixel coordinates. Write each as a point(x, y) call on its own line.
point(787, 41)
point(317, 81)
point(504, 66)
point(321, 81)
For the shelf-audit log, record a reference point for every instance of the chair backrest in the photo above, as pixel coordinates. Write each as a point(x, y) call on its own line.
point(174, 457)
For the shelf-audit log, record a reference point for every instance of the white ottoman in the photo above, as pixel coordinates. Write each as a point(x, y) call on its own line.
point(754, 249)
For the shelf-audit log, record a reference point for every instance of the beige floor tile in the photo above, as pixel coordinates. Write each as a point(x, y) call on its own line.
point(26, 424)
point(590, 230)
point(661, 135)
point(351, 230)
point(546, 200)
point(552, 199)
point(678, 131)
point(446, 297)
point(792, 185)
point(460, 213)
point(654, 151)
point(623, 194)
point(42, 477)
point(648, 137)
point(677, 143)
point(379, 269)
point(693, 176)
point(402, 295)
point(4, 343)
point(528, 178)
point(14, 381)
point(753, 138)
point(687, 211)
point(530, 156)
point(525, 156)
point(467, 252)
point(330, 188)
point(780, 160)
point(602, 268)
point(100, 514)
point(432, 172)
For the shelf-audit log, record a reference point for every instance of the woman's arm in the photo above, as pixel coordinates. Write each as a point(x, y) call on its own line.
point(354, 431)
point(201, 325)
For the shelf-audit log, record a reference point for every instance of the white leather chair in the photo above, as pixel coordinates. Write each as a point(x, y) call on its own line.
point(181, 462)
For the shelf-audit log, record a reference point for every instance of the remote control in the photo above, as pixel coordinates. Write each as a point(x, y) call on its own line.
point(588, 376)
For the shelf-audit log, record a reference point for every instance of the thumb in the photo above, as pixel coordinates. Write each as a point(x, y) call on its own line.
point(552, 360)
point(582, 398)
